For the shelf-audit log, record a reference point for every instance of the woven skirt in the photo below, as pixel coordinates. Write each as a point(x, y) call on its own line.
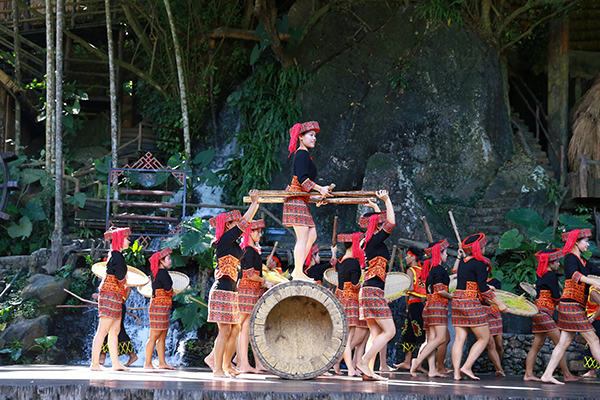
point(543, 321)
point(296, 213)
point(372, 304)
point(435, 312)
point(248, 297)
point(110, 305)
point(351, 307)
point(572, 318)
point(494, 320)
point(159, 312)
point(467, 311)
point(223, 306)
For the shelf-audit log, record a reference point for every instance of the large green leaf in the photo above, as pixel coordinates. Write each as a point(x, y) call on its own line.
point(511, 240)
point(78, 199)
point(33, 211)
point(173, 242)
point(22, 230)
point(204, 158)
point(194, 243)
point(31, 175)
point(193, 315)
point(573, 222)
point(544, 236)
point(527, 218)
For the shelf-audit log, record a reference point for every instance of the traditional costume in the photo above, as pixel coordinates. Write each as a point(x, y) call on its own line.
point(436, 281)
point(223, 303)
point(125, 346)
point(591, 308)
point(494, 316)
point(112, 290)
point(413, 331)
point(371, 298)
point(316, 271)
point(250, 291)
point(467, 310)
point(548, 293)
point(162, 292)
point(304, 172)
point(349, 270)
point(571, 309)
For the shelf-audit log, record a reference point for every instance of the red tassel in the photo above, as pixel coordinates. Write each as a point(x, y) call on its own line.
point(118, 237)
point(154, 261)
point(357, 252)
point(571, 240)
point(373, 222)
point(294, 133)
point(425, 270)
point(220, 228)
point(246, 237)
point(543, 264)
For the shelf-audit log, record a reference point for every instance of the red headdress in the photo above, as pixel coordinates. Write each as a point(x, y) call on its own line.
point(357, 252)
point(314, 250)
point(570, 238)
point(256, 224)
point(116, 237)
point(544, 257)
point(435, 252)
point(370, 222)
point(221, 220)
point(299, 129)
point(472, 247)
point(155, 259)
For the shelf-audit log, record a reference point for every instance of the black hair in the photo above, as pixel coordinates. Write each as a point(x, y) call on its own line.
point(417, 252)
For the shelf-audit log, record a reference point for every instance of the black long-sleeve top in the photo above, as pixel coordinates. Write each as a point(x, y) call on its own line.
point(227, 245)
point(304, 168)
point(472, 271)
point(377, 248)
point(548, 281)
point(437, 275)
point(348, 271)
point(495, 283)
point(162, 280)
point(316, 271)
point(573, 267)
point(116, 265)
point(251, 260)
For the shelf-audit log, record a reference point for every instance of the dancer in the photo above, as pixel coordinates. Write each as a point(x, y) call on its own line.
point(593, 312)
point(571, 308)
point(372, 304)
point(349, 271)
point(413, 333)
point(295, 209)
point(110, 300)
point(314, 268)
point(435, 314)
point(250, 289)
point(495, 348)
point(160, 308)
point(548, 296)
point(467, 310)
point(223, 305)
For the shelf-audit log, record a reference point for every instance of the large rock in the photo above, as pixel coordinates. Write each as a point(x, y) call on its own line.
point(47, 289)
point(27, 330)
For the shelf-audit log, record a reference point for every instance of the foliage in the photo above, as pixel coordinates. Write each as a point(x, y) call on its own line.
point(440, 11)
point(14, 350)
point(195, 242)
point(283, 26)
point(553, 191)
point(134, 255)
point(44, 343)
point(268, 105)
point(193, 315)
point(78, 284)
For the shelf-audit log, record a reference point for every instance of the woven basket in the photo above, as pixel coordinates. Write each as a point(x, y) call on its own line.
point(452, 285)
point(135, 277)
point(180, 283)
point(503, 296)
point(273, 277)
point(529, 289)
point(331, 276)
point(396, 285)
point(594, 277)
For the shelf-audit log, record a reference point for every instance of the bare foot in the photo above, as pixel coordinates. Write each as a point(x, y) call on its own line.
point(528, 377)
point(575, 378)
point(551, 379)
point(249, 370)
point(232, 371)
point(210, 361)
point(458, 377)
point(444, 370)
point(404, 365)
point(413, 368)
point(364, 370)
point(96, 367)
point(119, 367)
point(102, 358)
point(355, 373)
point(301, 276)
point(132, 358)
point(165, 366)
point(221, 374)
point(422, 370)
point(327, 373)
point(590, 374)
point(500, 373)
point(469, 373)
point(149, 366)
point(388, 369)
point(434, 374)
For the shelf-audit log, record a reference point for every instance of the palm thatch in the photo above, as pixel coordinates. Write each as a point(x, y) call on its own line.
point(586, 130)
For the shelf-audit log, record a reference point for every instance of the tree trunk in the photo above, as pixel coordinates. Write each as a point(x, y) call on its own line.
point(17, 50)
point(182, 93)
point(266, 12)
point(113, 88)
point(56, 257)
point(49, 87)
point(486, 23)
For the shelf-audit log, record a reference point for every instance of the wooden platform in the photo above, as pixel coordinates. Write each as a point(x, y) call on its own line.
point(77, 382)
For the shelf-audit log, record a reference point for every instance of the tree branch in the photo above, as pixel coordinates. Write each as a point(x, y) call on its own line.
point(529, 5)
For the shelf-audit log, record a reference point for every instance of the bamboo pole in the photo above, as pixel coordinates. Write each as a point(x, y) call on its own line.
point(429, 237)
point(334, 238)
point(81, 299)
point(198, 301)
point(455, 228)
point(272, 253)
point(401, 262)
point(314, 199)
point(278, 193)
point(394, 249)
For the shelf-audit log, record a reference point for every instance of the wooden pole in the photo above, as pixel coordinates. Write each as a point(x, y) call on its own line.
point(272, 253)
point(455, 228)
point(394, 249)
point(334, 238)
point(429, 237)
point(314, 199)
point(279, 193)
point(401, 262)
point(82, 299)
point(199, 302)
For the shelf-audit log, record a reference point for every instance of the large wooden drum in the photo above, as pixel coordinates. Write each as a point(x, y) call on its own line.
point(298, 330)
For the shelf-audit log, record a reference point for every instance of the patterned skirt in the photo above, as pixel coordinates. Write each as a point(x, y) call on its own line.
point(435, 312)
point(543, 321)
point(248, 297)
point(159, 311)
point(351, 307)
point(296, 213)
point(372, 304)
point(572, 318)
point(467, 311)
point(110, 305)
point(494, 320)
point(223, 306)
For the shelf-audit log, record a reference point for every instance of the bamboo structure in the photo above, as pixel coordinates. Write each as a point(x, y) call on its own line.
point(314, 199)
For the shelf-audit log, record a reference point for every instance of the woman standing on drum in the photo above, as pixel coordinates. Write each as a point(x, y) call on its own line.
point(571, 309)
point(110, 299)
point(223, 304)
point(250, 289)
point(548, 296)
point(372, 304)
point(467, 310)
point(160, 308)
point(295, 209)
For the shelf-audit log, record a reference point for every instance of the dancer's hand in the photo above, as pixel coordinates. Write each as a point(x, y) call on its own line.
point(253, 195)
point(324, 190)
point(383, 195)
point(461, 253)
point(373, 205)
point(502, 307)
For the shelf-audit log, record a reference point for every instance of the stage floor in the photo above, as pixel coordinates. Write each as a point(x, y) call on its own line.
point(77, 382)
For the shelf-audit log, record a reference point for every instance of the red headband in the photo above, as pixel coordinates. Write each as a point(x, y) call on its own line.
point(256, 224)
point(220, 220)
point(299, 129)
point(155, 259)
point(572, 238)
point(436, 257)
point(314, 250)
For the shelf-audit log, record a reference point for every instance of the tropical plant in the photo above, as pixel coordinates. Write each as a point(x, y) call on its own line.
point(193, 315)
point(44, 343)
point(134, 255)
point(14, 350)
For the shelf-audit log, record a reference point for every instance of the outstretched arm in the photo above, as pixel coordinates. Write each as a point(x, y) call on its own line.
point(389, 207)
point(249, 215)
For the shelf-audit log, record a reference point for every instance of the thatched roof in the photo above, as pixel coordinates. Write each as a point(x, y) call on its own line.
point(586, 129)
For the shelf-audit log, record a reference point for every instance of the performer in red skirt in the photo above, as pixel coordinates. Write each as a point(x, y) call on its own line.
point(160, 308)
point(110, 300)
point(295, 209)
point(373, 306)
point(495, 347)
point(349, 271)
point(314, 268)
point(223, 303)
point(592, 309)
point(571, 309)
point(548, 296)
point(250, 289)
point(435, 314)
point(467, 310)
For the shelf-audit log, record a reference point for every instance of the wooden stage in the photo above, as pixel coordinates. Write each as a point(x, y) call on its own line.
point(77, 382)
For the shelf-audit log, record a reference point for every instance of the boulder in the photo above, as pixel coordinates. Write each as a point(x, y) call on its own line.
point(47, 289)
point(27, 330)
